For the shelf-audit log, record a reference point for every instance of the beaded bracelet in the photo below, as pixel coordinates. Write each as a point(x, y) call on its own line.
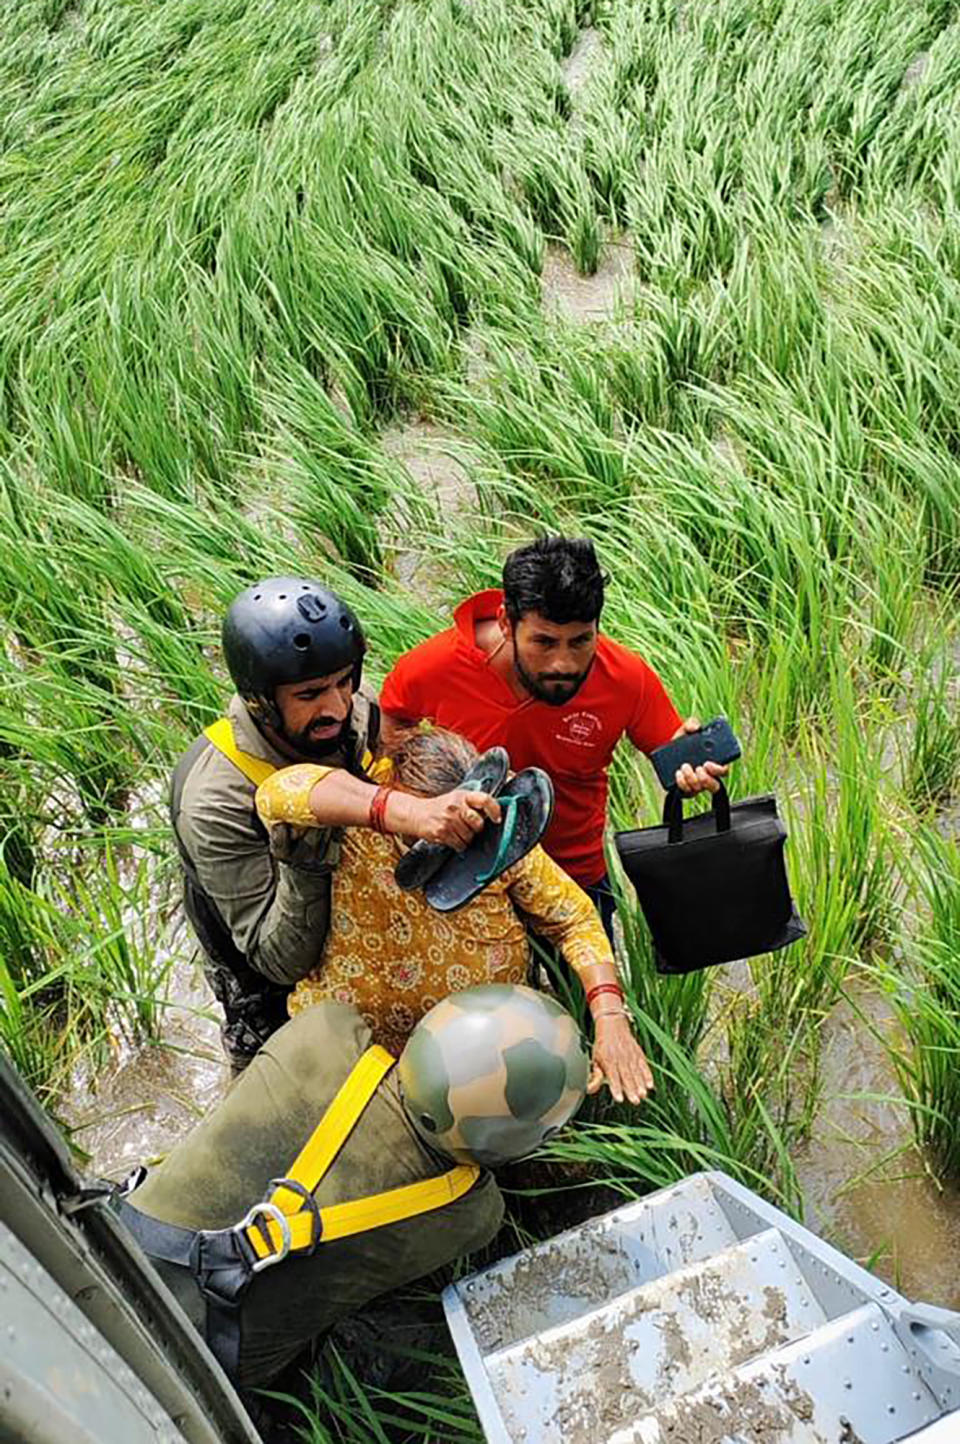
point(611, 1013)
point(378, 807)
point(604, 988)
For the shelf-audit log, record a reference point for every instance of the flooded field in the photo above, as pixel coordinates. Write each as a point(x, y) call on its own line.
point(865, 1186)
point(151, 1096)
point(373, 293)
point(604, 296)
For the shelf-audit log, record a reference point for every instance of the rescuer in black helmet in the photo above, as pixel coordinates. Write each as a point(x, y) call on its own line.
point(281, 634)
point(260, 905)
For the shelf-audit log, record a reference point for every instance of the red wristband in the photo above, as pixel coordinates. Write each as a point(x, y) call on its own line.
point(378, 807)
point(604, 988)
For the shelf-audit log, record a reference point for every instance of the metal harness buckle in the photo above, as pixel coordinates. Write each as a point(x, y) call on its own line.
point(252, 1219)
point(310, 1206)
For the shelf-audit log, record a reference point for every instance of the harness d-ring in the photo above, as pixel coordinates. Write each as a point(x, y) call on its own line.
point(252, 1220)
point(310, 1205)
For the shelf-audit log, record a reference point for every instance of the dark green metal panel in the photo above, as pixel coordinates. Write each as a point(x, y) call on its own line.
point(95, 1347)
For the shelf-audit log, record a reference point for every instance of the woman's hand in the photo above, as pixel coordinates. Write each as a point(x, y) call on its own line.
point(453, 818)
point(619, 1059)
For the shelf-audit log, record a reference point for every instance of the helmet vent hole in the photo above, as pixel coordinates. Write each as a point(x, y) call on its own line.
point(258, 596)
point(282, 597)
point(344, 622)
point(428, 1123)
point(302, 642)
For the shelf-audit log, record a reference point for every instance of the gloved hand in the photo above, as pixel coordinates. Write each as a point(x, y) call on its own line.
point(308, 849)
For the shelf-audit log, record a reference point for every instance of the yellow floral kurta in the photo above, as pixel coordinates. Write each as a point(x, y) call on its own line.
point(392, 956)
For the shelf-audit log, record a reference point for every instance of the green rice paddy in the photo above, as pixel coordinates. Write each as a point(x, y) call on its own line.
point(245, 244)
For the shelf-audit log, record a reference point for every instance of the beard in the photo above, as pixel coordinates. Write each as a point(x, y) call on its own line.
point(554, 690)
point(317, 748)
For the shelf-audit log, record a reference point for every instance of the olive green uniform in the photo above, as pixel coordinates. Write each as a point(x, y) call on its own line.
point(211, 1179)
point(261, 919)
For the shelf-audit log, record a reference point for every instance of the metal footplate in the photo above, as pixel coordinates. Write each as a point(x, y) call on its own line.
point(701, 1313)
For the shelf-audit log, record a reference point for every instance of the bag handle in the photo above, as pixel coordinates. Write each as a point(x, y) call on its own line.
point(673, 812)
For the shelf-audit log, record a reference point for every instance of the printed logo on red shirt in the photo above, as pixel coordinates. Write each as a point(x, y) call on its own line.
point(581, 728)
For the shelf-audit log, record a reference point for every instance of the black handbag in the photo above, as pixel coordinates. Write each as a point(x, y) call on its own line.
point(713, 887)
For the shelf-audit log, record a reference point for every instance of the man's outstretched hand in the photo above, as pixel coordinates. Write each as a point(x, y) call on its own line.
point(705, 778)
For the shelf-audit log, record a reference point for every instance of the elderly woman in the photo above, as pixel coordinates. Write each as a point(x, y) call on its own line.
point(393, 957)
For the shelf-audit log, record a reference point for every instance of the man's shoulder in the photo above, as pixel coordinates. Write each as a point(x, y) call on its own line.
point(428, 656)
point(214, 796)
point(622, 662)
point(211, 795)
point(442, 644)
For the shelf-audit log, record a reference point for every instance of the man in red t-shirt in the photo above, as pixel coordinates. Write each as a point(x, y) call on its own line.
point(528, 669)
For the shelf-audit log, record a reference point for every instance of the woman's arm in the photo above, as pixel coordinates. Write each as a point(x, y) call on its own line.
point(562, 913)
point(308, 795)
point(617, 1056)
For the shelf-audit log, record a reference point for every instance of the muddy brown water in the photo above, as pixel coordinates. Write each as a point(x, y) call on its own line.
point(584, 299)
point(435, 459)
point(864, 1183)
point(582, 62)
point(149, 1098)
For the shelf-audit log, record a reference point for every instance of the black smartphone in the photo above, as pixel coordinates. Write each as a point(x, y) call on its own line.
point(715, 742)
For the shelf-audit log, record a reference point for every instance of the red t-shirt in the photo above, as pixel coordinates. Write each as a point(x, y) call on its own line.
point(448, 680)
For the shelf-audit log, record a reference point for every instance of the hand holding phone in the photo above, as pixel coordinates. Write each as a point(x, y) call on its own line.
point(715, 742)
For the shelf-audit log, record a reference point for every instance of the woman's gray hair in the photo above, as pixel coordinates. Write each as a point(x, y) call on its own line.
point(433, 761)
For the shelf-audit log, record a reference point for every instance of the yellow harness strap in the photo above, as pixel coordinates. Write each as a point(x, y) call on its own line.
point(255, 769)
point(287, 1222)
point(379, 771)
point(335, 1127)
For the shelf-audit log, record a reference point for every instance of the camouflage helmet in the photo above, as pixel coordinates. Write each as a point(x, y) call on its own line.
point(491, 1072)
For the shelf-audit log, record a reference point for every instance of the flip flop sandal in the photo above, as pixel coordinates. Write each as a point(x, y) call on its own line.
point(526, 804)
point(424, 859)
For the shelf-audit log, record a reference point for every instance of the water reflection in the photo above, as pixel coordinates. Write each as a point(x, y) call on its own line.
point(154, 1094)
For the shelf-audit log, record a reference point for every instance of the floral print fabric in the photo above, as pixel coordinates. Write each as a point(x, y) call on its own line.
point(393, 957)
point(285, 796)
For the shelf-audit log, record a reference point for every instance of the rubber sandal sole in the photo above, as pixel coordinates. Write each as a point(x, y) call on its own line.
point(527, 804)
point(425, 859)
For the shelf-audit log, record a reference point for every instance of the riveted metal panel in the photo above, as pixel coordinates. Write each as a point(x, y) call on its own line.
point(848, 1382)
point(57, 1370)
point(95, 1264)
point(722, 1320)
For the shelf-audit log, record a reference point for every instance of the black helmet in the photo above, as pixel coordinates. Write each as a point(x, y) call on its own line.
point(288, 629)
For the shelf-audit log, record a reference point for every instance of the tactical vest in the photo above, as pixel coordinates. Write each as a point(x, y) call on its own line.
point(212, 932)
